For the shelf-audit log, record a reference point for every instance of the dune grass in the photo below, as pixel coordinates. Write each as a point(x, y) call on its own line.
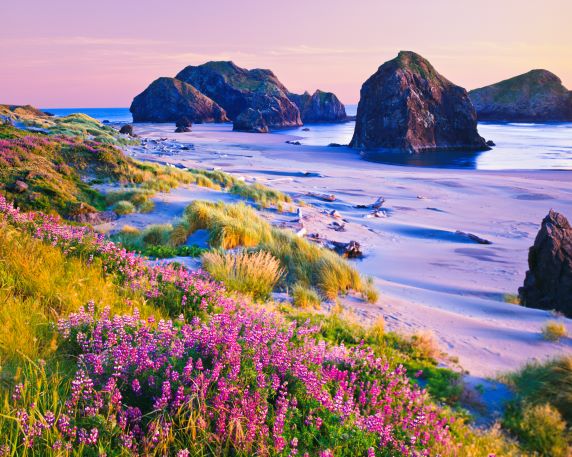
point(251, 273)
point(305, 297)
point(554, 331)
point(239, 225)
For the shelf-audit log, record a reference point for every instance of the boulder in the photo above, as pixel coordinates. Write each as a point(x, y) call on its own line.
point(237, 89)
point(183, 125)
point(407, 106)
point(536, 96)
point(252, 121)
point(168, 99)
point(20, 187)
point(127, 129)
point(548, 281)
point(319, 107)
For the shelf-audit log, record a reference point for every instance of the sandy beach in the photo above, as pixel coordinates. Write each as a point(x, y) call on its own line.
point(429, 276)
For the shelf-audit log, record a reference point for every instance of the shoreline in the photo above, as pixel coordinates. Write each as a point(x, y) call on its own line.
point(429, 277)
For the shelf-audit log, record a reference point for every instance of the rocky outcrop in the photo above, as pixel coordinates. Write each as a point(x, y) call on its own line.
point(168, 99)
point(548, 282)
point(183, 125)
point(406, 106)
point(237, 89)
point(536, 96)
point(252, 121)
point(319, 107)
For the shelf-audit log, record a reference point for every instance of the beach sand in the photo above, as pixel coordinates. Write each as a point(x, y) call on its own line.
point(429, 277)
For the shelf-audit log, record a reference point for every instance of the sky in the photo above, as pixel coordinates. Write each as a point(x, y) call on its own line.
point(74, 53)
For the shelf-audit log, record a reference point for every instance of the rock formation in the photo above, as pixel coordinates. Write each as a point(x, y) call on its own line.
point(548, 282)
point(536, 96)
point(237, 89)
point(168, 99)
point(183, 125)
point(250, 120)
point(319, 107)
point(127, 129)
point(406, 106)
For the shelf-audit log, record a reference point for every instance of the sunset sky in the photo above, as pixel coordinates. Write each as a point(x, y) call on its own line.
point(71, 53)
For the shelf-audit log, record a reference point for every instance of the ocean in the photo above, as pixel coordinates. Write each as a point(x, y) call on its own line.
point(518, 146)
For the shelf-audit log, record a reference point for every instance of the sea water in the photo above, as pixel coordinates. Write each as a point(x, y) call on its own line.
point(518, 146)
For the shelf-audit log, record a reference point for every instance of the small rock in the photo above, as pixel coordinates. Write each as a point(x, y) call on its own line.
point(351, 250)
point(335, 145)
point(490, 143)
point(295, 143)
point(474, 237)
point(20, 187)
point(183, 125)
point(305, 129)
point(127, 129)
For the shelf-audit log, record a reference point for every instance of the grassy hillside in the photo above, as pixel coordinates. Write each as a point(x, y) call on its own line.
point(220, 378)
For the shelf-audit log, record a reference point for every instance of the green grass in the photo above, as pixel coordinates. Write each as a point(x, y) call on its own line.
point(305, 297)
point(239, 225)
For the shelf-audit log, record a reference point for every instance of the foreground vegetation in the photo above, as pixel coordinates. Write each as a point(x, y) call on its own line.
point(207, 375)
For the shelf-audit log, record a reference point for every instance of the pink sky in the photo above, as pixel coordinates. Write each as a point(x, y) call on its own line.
point(71, 53)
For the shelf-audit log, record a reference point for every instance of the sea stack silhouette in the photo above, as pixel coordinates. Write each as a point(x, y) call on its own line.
point(407, 106)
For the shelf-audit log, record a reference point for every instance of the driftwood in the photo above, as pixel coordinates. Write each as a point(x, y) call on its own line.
point(351, 250)
point(324, 197)
point(375, 206)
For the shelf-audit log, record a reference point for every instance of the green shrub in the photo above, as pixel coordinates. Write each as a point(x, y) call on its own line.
point(123, 207)
point(157, 235)
point(305, 297)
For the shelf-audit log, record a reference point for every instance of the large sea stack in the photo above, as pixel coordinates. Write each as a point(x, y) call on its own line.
point(237, 89)
point(406, 106)
point(548, 282)
point(536, 96)
point(168, 99)
point(319, 107)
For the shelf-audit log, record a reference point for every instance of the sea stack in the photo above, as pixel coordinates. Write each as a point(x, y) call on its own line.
point(319, 107)
point(237, 89)
point(168, 100)
point(548, 282)
point(536, 96)
point(407, 106)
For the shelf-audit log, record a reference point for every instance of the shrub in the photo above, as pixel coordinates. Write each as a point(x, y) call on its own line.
point(425, 344)
point(369, 291)
point(123, 207)
point(305, 297)
point(539, 428)
point(252, 273)
point(157, 235)
point(554, 331)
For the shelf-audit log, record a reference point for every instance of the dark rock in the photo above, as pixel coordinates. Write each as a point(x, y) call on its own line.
point(548, 282)
point(406, 106)
point(183, 125)
point(473, 237)
point(295, 143)
point(168, 99)
point(237, 89)
point(105, 121)
point(351, 250)
point(305, 129)
point(490, 143)
point(319, 107)
point(20, 187)
point(335, 145)
point(127, 129)
point(536, 96)
point(250, 121)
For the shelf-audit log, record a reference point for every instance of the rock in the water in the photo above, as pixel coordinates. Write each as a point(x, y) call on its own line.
point(127, 129)
point(183, 125)
point(548, 282)
point(536, 96)
point(237, 89)
point(252, 121)
point(319, 107)
point(491, 143)
point(406, 106)
point(168, 99)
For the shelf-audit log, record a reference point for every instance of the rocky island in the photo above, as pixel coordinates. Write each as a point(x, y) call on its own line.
point(237, 89)
point(169, 99)
point(319, 107)
point(536, 96)
point(407, 106)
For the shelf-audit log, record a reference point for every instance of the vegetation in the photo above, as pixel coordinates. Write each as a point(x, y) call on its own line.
point(239, 225)
point(554, 331)
point(251, 273)
point(237, 380)
point(305, 297)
